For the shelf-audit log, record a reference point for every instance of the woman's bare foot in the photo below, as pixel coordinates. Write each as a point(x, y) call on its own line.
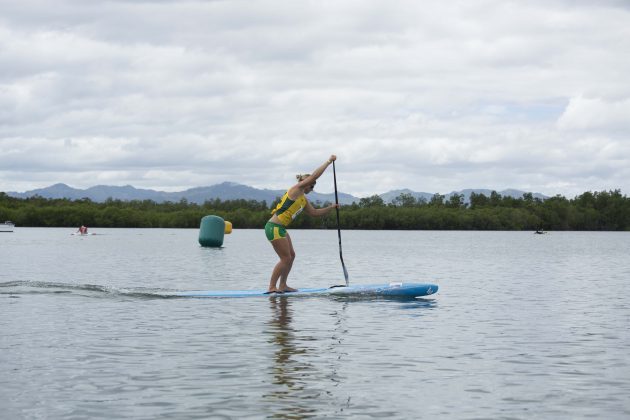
point(289, 289)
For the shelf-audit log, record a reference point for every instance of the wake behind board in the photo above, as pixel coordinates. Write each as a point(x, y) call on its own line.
point(408, 290)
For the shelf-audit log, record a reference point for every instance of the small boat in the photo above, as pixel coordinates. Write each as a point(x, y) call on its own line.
point(7, 226)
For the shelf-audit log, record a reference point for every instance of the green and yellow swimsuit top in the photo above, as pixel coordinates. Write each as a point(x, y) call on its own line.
point(288, 209)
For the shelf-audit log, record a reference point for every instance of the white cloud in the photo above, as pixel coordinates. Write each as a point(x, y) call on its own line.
point(596, 114)
point(427, 96)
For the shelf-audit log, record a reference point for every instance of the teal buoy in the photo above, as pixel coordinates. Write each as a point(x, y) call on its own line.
point(211, 231)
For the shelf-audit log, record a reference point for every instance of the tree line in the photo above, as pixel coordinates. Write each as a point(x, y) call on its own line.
point(603, 210)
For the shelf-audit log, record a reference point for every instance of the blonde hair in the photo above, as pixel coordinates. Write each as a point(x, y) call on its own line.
point(302, 177)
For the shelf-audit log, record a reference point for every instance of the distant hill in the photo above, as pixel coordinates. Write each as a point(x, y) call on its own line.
point(391, 195)
point(226, 191)
point(388, 197)
point(504, 193)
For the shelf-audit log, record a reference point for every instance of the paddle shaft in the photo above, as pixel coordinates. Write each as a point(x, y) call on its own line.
point(345, 272)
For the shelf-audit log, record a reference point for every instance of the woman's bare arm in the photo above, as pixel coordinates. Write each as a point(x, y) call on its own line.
point(312, 211)
point(316, 173)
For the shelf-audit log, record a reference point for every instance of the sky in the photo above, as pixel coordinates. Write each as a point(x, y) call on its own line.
point(433, 96)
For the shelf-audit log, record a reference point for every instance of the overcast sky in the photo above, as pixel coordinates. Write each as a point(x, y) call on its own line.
point(432, 96)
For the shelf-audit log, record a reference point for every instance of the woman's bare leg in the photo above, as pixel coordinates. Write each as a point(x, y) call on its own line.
point(282, 287)
point(284, 249)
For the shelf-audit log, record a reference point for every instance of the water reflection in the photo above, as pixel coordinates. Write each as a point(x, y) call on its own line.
point(415, 303)
point(283, 336)
point(305, 367)
point(290, 372)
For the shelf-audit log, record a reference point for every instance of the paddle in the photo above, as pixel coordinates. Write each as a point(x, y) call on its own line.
point(345, 272)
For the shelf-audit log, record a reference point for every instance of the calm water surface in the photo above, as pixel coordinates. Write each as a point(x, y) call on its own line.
point(524, 326)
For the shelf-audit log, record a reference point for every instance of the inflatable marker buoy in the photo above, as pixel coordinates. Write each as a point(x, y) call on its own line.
point(211, 231)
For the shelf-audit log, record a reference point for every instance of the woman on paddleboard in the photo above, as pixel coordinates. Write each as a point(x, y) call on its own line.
point(293, 202)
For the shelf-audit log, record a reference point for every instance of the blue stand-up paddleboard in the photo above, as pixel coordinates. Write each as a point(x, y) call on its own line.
point(401, 290)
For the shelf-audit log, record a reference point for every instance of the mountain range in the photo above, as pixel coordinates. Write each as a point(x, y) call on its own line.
point(226, 191)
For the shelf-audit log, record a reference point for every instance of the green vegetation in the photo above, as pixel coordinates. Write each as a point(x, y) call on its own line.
point(605, 210)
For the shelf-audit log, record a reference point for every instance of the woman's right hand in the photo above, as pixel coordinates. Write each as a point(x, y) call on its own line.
point(332, 158)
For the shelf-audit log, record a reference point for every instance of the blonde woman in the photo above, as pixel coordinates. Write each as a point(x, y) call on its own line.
point(293, 202)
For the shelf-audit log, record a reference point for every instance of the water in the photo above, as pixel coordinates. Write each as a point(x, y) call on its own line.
point(524, 326)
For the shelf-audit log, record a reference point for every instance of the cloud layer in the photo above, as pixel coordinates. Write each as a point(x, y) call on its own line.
point(421, 95)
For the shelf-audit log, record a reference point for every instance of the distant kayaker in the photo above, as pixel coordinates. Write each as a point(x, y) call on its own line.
point(83, 230)
point(292, 203)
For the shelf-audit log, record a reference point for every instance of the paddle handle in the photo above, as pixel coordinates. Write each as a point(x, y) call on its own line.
point(343, 265)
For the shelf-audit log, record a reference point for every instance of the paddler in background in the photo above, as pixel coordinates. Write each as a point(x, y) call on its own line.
point(293, 202)
point(83, 230)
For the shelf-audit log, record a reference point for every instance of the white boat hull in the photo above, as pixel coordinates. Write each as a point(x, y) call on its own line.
point(6, 227)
